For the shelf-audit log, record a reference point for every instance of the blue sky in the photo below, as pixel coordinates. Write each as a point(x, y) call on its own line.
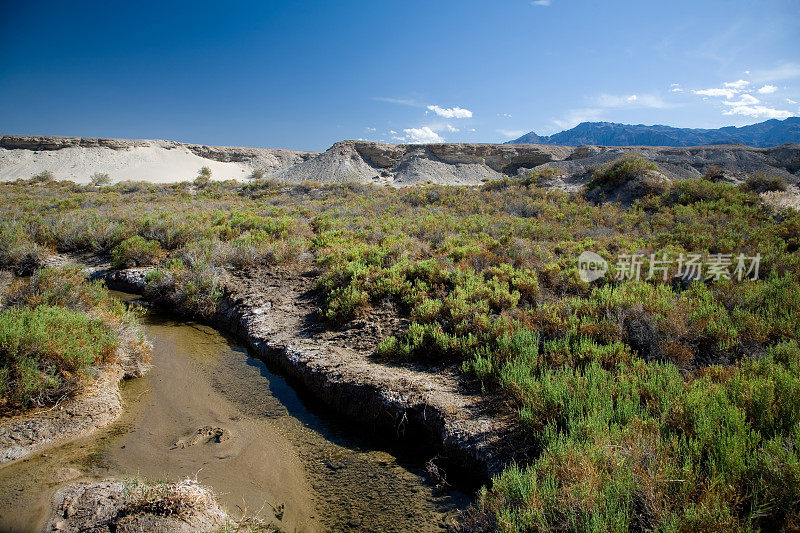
point(306, 74)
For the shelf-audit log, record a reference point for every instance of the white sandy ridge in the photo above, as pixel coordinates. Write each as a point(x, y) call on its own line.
point(153, 163)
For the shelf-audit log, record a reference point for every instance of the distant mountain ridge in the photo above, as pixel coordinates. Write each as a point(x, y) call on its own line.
point(772, 132)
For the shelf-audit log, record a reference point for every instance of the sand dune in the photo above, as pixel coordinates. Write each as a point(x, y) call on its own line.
point(149, 163)
point(76, 159)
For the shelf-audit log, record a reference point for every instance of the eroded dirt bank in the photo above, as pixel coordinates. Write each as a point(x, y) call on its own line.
point(93, 408)
point(275, 312)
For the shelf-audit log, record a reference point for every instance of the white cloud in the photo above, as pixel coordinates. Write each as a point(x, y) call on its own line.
point(745, 103)
point(758, 111)
point(504, 115)
point(633, 100)
point(451, 112)
point(450, 128)
point(371, 130)
point(730, 89)
point(423, 135)
point(675, 87)
point(400, 101)
point(541, 3)
point(512, 134)
point(727, 93)
point(745, 99)
point(738, 84)
point(790, 101)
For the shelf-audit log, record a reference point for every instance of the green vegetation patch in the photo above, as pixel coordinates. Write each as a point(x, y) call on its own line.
point(55, 330)
point(136, 251)
point(623, 169)
point(663, 404)
point(639, 447)
point(44, 351)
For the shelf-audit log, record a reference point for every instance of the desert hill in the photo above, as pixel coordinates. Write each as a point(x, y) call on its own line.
point(77, 158)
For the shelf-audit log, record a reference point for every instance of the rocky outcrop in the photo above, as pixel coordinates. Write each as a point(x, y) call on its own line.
point(413, 164)
point(472, 164)
point(56, 142)
point(687, 163)
point(341, 163)
point(267, 159)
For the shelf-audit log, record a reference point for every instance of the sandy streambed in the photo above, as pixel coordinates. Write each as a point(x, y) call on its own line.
point(208, 410)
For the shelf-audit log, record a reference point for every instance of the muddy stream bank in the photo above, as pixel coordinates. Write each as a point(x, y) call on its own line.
point(209, 410)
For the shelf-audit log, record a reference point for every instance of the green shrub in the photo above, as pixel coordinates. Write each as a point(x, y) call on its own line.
point(100, 178)
point(761, 182)
point(65, 287)
point(196, 288)
point(136, 251)
point(624, 446)
point(57, 328)
point(257, 174)
point(45, 351)
point(620, 170)
point(203, 178)
point(44, 176)
point(344, 303)
point(537, 176)
point(714, 173)
point(17, 250)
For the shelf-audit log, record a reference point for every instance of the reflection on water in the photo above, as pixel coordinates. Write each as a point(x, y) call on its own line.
point(210, 411)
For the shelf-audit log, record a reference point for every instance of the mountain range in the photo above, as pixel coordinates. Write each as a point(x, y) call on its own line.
point(772, 132)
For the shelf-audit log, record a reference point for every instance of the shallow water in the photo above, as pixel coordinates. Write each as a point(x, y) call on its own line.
point(274, 453)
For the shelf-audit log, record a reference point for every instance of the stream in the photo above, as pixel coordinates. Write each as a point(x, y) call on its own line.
point(207, 410)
